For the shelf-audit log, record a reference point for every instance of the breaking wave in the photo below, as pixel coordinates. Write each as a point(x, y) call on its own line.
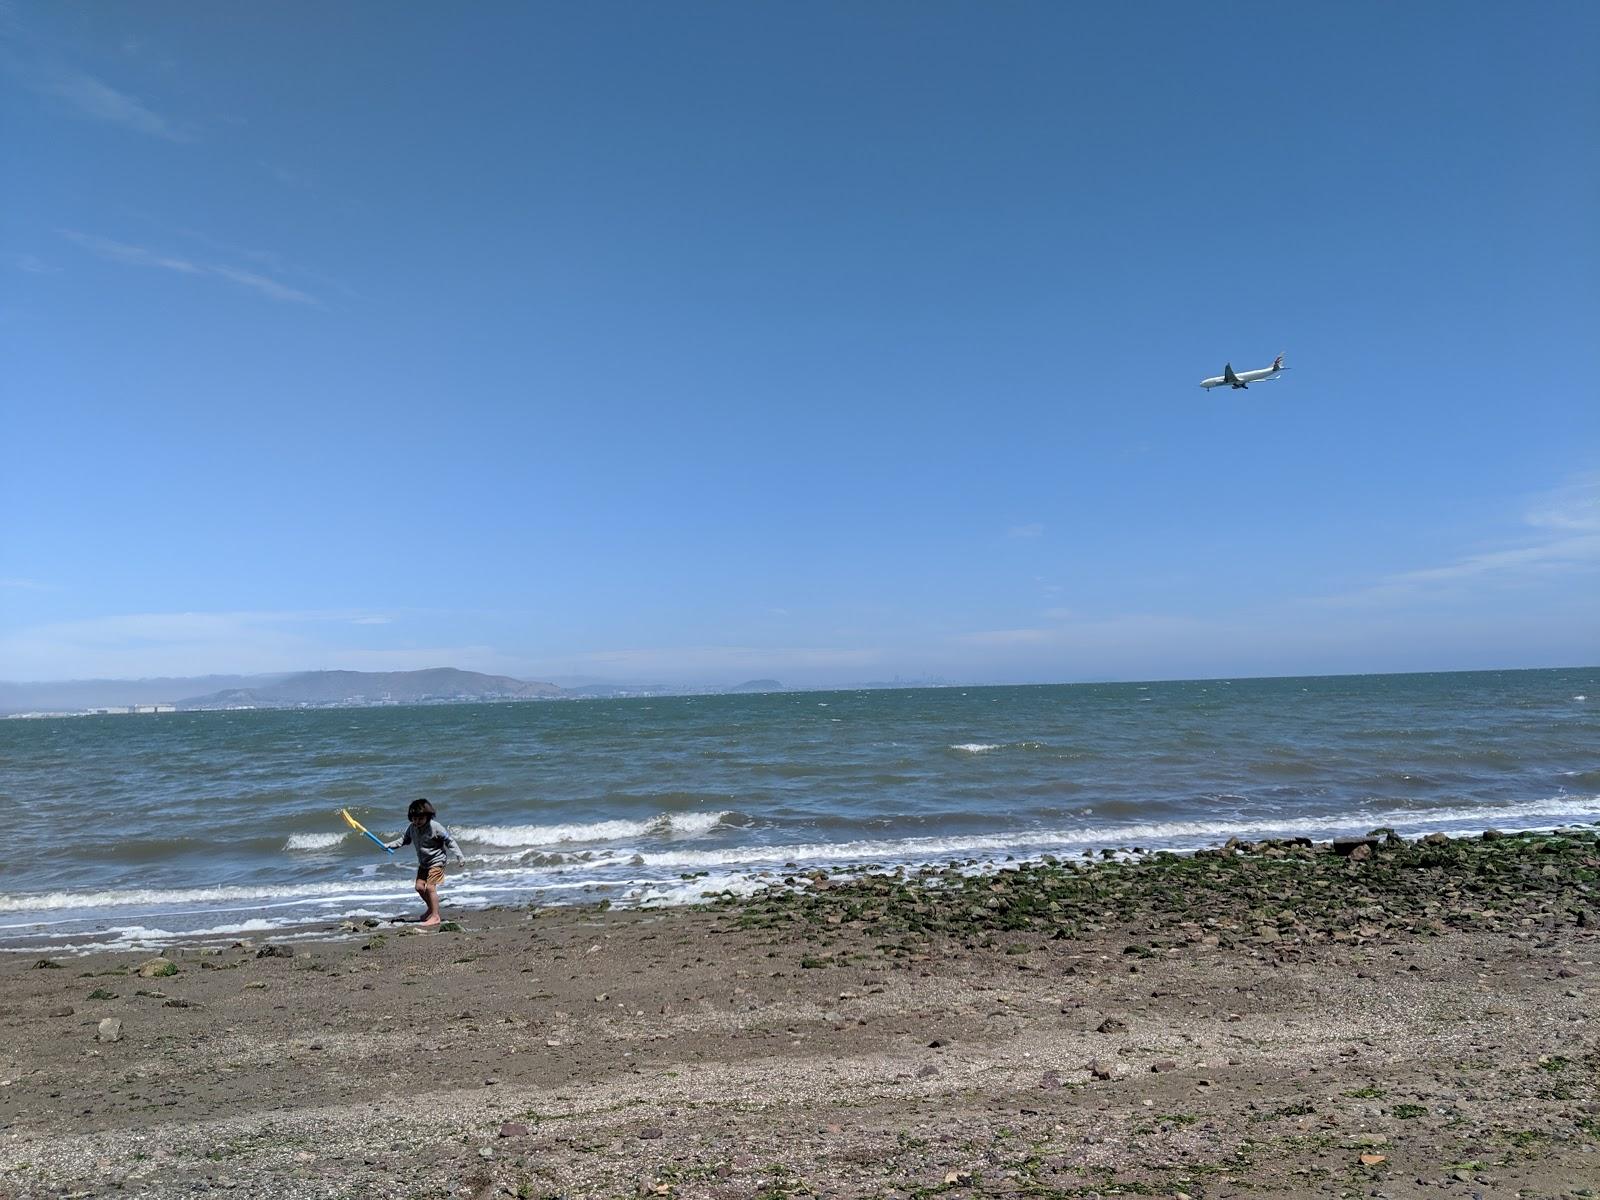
point(661, 825)
point(314, 841)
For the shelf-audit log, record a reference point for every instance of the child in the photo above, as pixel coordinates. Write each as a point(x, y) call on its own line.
point(431, 840)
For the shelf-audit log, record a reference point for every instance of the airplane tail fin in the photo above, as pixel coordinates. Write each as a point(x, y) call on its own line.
point(1277, 363)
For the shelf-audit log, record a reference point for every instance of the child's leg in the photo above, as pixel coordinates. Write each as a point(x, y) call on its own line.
point(430, 896)
point(422, 890)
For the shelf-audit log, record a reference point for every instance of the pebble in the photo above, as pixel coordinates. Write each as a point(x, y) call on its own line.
point(110, 1030)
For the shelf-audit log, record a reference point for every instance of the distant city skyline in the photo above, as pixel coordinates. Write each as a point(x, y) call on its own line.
point(824, 343)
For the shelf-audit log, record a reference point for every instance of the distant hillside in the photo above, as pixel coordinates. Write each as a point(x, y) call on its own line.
point(758, 685)
point(74, 695)
point(376, 687)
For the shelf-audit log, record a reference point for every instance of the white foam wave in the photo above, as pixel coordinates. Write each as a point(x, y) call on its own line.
point(663, 824)
point(313, 841)
point(127, 897)
point(976, 747)
point(645, 870)
point(1171, 835)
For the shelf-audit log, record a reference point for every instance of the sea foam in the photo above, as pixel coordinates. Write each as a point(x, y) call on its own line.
point(663, 824)
point(313, 841)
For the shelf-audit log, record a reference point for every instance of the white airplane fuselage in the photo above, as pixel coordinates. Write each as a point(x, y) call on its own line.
point(1243, 379)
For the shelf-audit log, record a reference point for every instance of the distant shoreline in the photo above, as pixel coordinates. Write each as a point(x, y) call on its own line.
point(168, 700)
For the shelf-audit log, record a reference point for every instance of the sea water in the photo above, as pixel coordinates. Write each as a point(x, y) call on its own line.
point(133, 830)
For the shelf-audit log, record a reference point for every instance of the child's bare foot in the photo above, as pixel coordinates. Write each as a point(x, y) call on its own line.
point(427, 920)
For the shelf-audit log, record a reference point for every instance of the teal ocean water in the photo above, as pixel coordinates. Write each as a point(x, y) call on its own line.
point(131, 830)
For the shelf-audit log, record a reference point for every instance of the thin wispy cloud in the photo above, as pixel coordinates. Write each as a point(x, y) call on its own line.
point(100, 100)
point(133, 256)
point(267, 287)
point(1019, 532)
point(718, 661)
point(32, 264)
point(95, 99)
point(141, 256)
point(1563, 538)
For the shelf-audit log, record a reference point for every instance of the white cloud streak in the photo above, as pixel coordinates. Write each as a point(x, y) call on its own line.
point(100, 101)
point(1563, 538)
point(140, 256)
point(714, 659)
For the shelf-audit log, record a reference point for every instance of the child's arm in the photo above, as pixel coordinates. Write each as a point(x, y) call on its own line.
point(403, 840)
point(449, 840)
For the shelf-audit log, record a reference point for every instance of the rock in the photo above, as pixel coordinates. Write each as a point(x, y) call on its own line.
point(110, 1030)
point(1492, 835)
point(64, 1011)
point(1164, 1064)
point(1112, 1025)
point(1437, 839)
point(513, 1129)
point(1102, 1068)
point(157, 968)
point(275, 951)
point(257, 984)
point(1360, 853)
point(927, 1072)
point(1346, 846)
point(650, 1133)
point(485, 1152)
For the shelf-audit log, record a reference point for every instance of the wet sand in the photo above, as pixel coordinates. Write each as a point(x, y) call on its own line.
point(1279, 1021)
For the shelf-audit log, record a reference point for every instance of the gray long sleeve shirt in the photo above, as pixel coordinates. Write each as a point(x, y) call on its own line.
point(432, 841)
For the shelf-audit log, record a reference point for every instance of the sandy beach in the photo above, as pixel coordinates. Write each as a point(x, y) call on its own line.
point(1278, 1019)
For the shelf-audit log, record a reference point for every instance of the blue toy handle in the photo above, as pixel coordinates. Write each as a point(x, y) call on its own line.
point(360, 828)
point(375, 838)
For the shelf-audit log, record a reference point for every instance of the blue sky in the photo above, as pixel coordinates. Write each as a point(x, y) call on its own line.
point(831, 342)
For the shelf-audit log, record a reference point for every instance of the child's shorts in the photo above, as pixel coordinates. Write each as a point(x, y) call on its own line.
point(433, 875)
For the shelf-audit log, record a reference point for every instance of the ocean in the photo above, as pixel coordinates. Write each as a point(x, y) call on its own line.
point(131, 831)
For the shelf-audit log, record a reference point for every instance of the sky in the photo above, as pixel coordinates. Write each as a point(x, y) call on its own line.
point(826, 342)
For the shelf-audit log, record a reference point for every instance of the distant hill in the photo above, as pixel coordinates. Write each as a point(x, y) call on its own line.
point(319, 688)
point(759, 685)
point(74, 695)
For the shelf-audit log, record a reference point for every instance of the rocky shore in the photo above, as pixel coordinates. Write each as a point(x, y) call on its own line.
point(1369, 1018)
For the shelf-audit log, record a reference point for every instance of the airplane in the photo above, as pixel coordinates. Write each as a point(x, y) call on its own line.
point(1233, 379)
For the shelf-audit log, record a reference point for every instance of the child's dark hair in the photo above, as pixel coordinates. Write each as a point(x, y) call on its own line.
point(420, 810)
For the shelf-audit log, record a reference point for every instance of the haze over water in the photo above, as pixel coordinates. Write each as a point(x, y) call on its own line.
point(132, 829)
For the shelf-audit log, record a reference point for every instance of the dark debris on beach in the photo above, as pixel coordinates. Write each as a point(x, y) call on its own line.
point(1282, 893)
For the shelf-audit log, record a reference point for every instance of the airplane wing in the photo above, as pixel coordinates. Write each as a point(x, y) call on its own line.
point(1227, 374)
